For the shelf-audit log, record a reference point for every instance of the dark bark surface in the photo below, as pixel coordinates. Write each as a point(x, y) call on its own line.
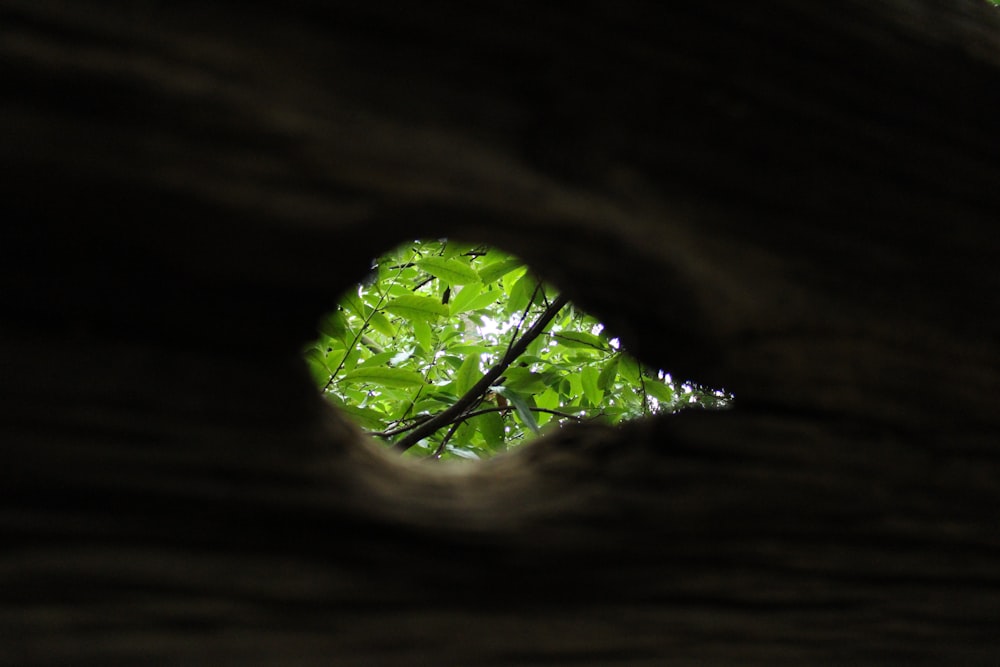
point(808, 190)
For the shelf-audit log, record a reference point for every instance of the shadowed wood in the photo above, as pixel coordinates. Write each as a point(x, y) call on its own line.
point(793, 200)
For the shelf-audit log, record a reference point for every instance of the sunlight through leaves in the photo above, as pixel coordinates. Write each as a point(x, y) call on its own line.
point(451, 350)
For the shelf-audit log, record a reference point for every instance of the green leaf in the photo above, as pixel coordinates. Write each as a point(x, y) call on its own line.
point(468, 374)
point(452, 248)
point(351, 360)
point(629, 369)
point(663, 393)
point(352, 302)
point(389, 377)
point(397, 289)
point(449, 332)
point(576, 386)
point(522, 407)
point(588, 378)
point(333, 359)
point(416, 307)
point(334, 325)
point(367, 417)
point(521, 293)
point(536, 346)
point(466, 434)
point(497, 270)
point(483, 300)
point(422, 332)
point(452, 360)
point(452, 271)
point(317, 367)
point(525, 381)
point(507, 282)
point(548, 399)
point(463, 452)
point(379, 359)
point(381, 324)
point(492, 427)
point(606, 380)
point(477, 350)
point(429, 405)
point(460, 301)
point(581, 339)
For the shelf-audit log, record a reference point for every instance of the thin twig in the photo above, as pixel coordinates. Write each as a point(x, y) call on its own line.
point(560, 336)
point(444, 441)
point(417, 421)
point(645, 396)
point(524, 316)
point(364, 325)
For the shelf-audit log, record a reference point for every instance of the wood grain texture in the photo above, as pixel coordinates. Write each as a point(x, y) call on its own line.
point(808, 189)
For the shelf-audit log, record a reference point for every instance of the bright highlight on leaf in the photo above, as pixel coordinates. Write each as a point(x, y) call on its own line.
point(459, 351)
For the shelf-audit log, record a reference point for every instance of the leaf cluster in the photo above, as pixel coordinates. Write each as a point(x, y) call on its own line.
point(455, 350)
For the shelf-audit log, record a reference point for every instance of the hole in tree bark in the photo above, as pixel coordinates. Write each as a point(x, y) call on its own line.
point(452, 350)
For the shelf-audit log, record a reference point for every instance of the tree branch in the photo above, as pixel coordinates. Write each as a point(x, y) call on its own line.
point(451, 413)
point(417, 421)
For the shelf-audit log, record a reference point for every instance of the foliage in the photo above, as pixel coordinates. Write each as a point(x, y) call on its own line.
point(452, 350)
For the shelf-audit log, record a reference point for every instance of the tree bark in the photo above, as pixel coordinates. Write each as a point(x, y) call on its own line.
point(807, 189)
